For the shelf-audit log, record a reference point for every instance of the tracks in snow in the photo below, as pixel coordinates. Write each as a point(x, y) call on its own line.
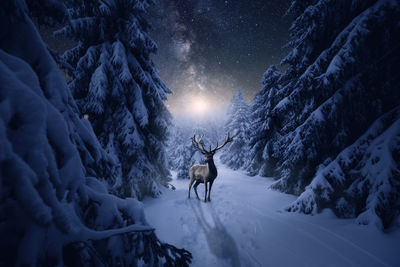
point(242, 226)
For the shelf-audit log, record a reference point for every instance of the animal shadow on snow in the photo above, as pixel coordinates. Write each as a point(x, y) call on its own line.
point(219, 241)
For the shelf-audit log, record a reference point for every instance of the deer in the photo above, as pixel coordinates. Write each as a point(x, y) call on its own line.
point(205, 173)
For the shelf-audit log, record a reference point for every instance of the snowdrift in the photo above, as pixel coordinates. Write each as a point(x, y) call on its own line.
point(54, 206)
point(341, 82)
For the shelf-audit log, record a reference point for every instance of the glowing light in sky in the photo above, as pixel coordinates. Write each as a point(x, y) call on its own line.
point(199, 106)
point(197, 95)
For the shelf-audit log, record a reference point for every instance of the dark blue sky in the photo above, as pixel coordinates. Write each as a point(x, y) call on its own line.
point(211, 48)
point(208, 49)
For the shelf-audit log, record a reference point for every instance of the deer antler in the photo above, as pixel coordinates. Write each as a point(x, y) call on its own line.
point(227, 140)
point(198, 144)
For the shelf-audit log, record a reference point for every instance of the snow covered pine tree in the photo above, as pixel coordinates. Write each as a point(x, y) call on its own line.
point(187, 158)
point(237, 124)
point(337, 140)
point(181, 152)
point(116, 85)
point(262, 127)
point(54, 209)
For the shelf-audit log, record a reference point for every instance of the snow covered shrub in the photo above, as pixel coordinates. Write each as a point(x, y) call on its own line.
point(116, 85)
point(53, 212)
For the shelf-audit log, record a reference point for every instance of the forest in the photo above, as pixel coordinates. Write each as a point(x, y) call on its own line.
point(94, 168)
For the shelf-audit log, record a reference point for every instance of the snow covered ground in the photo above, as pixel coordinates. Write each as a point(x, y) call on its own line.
point(243, 225)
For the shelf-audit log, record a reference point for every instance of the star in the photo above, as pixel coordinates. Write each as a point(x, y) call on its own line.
point(225, 45)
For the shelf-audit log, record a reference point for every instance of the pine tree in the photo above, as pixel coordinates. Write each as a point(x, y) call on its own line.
point(55, 209)
point(182, 153)
point(116, 85)
point(175, 140)
point(340, 79)
point(262, 126)
point(188, 157)
point(237, 124)
point(363, 180)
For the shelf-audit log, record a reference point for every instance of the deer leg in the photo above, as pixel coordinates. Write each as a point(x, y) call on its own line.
point(205, 193)
point(190, 186)
point(209, 191)
point(195, 188)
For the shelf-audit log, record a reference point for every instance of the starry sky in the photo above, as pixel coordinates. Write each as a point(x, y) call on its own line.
point(208, 49)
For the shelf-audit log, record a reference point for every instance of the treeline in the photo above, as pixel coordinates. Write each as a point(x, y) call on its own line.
point(328, 128)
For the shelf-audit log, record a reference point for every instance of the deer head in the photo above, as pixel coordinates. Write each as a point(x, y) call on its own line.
point(209, 154)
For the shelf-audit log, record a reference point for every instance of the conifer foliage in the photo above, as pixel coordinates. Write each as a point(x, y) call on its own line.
point(332, 125)
point(237, 125)
point(116, 85)
point(181, 151)
point(54, 208)
point(262, 126)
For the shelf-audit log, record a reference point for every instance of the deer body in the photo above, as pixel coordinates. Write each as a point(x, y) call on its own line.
point(204, 173)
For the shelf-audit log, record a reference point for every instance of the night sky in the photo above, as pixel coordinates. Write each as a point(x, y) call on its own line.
point(208, 49)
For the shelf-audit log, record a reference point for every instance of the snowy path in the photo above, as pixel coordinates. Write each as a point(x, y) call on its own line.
point(242, 226)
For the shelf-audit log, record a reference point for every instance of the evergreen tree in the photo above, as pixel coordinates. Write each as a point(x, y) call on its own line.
point(188, 157)
point(175, 140)
point(363, 180)
point(55, 210)
point(116, 85)
point(237, 124)
point(341, 79)
point(181, 152)
point(262, 126)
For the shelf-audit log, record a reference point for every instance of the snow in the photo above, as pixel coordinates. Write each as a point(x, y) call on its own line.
point(326, 101)
point(115, 84)
point(370, 180)
point(55, 208)
point(237, 125)
point(244, 225)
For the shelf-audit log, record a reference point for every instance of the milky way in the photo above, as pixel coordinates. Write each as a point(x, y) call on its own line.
point(209, 49)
